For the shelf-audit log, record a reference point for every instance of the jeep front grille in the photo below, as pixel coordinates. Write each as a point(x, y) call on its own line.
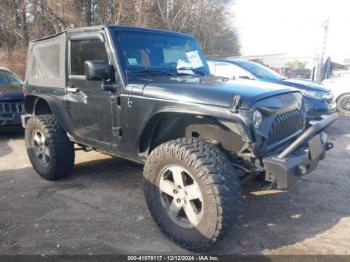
point(285, 126)
point(7, 107)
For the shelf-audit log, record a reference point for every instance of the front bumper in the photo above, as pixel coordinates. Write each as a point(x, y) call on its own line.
point(301, 157)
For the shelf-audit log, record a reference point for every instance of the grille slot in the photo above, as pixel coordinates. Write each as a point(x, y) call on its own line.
point(285, 125)
point(11, 107)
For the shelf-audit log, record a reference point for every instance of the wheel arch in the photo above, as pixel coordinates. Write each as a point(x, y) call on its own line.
point(341, 95)
point(38, 105)
point(166, 126)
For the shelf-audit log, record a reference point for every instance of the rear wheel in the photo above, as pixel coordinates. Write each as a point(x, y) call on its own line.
point(48, 147)
point(192, 192)
point(343, 104)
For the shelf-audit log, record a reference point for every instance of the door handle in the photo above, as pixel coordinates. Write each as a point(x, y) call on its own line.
point(72, 89)
point(129, 101)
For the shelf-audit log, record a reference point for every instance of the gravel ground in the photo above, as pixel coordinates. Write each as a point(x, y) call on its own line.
point(100, 208)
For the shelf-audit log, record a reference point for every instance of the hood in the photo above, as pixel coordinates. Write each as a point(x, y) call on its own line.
point(11, 92)
point(210, 90)
point(302, 84)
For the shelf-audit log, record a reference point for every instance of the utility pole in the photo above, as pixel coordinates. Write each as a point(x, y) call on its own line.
point(323, 51)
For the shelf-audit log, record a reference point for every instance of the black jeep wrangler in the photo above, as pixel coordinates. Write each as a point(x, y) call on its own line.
point(147, 96)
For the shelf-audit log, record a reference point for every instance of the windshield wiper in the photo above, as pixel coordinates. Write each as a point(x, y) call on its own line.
point(190, 68)
point(148, 70)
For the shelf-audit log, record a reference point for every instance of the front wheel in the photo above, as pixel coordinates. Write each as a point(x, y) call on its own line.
point(48, 147)
point(192, 192)
point(343, 104)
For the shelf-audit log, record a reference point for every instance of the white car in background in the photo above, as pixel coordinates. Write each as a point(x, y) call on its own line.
point(340, 87)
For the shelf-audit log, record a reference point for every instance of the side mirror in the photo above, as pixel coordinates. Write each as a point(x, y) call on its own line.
point(97, 70)
point(246, 77)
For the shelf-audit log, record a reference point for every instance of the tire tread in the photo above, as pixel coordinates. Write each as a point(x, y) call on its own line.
point(61, 148)
point(216, 171)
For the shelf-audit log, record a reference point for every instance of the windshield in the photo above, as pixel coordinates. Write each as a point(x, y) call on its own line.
point(9, 78)
point(259, 70)
point(158, 52)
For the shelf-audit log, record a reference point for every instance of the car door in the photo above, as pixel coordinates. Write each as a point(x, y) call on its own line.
point(90, 109)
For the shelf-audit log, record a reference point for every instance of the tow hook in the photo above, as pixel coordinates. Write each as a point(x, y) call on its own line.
point(329, 146)
point(301, 170)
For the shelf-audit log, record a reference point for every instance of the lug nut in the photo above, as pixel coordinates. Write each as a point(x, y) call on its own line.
point(175, 191)
point(178, 200)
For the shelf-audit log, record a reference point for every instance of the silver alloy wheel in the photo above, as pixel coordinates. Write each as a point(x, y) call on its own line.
point(345, 104)
point(41, 148)
point(181, 196)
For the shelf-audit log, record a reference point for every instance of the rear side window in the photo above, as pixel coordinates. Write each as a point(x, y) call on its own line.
point(46, 62)
point(84, 50)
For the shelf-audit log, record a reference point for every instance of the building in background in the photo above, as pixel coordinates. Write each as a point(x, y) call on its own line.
point(346, 63)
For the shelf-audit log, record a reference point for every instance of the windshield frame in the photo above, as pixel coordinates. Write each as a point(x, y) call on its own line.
point(12, 75)
point(114, 32)
point(247, 65)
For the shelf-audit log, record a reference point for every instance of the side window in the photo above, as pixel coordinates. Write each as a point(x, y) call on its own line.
point(230, 71)
point(83, 50)
point(243, 74)
point(225, 70)
point(212, 67)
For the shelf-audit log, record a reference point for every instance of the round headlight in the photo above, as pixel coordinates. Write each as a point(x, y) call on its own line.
point(257, 119)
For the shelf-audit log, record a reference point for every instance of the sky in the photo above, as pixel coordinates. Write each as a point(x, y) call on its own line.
point(293, 27)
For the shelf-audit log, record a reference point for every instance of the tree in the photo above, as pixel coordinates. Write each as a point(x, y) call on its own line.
point(296, 64)
point(205, 19)
point(24, 20)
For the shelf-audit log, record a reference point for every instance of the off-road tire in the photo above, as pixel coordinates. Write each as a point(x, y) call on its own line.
point(60, 148)
point(217, 179)
point(340, 102)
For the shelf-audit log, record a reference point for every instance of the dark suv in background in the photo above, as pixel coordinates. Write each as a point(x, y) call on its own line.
point(318, 99)
point(11, 100)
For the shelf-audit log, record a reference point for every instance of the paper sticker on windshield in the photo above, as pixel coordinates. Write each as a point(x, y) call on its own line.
point(132, 61)
point(183, 64)
point(194, 59)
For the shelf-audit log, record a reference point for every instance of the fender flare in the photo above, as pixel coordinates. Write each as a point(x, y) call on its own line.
point(230, 130)
point(54, 105)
